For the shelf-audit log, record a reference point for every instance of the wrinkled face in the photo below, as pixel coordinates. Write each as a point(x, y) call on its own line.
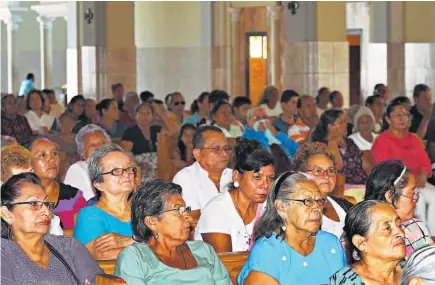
point(322, 169)
point(365, 124)
point(187, 136)
point(35, 102)
point(172, 224)
point(26, 219)
point(291, 106)
point(93, 141)
point(112, 112)
point(338, 101)
point(144, 116)
point(90, 108)
point(399, 118)
point(405, 206)
point(308, 108)
point(298, 215)
point(66, 124)
point(242, 111)
point(224, 116)
point(10, 105)
point(115, 185)
point(256, 185)
point(384, 241)
point(208, 157)
point(45, 159)
point(177, 104)
point(258, 114)
point(78, 107)
point(423, 100)
point(131, 103)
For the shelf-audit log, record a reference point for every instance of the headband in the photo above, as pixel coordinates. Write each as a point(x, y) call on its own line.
point(400, 176)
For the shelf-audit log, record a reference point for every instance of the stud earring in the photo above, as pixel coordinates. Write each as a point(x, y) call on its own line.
point(156, 236)
point(236, 184)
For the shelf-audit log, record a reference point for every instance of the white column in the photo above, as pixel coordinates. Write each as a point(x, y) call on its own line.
point(235, 51)
point(12, 26)
point(46, 42)
point(73, 53)
point(274, 14)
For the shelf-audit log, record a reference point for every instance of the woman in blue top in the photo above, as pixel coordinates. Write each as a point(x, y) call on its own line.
point(105, 228)
point(289, 247)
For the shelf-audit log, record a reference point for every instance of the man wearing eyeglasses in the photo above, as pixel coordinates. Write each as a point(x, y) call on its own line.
point(209, 175)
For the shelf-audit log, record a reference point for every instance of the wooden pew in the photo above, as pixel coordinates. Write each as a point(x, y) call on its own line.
point(233, 262)
point(68, 232)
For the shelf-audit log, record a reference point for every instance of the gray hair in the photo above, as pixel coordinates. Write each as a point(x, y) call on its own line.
point(363, 111)
point(420, 264)
point(130, 94)
point(251, 112)
point(86, 130)
point(94, 161)
point(8, 140)
point(283, 186)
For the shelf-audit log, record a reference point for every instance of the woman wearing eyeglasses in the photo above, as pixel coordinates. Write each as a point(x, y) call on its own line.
point(398, 143)
point(105, 227)
point(162, 253)
point(393, 182)
point(29, 254)
point(290, 248)
point(316, 160)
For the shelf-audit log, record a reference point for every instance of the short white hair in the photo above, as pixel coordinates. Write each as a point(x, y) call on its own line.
point(130, 94)
point(86, 130)
point(420, 264)
point(251, 112)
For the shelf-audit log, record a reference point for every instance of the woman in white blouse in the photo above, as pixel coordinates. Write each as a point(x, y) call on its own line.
point(39, 121)
point(227, 221)
point(363, 127)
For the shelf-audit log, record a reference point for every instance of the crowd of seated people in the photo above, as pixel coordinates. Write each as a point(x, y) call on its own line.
point(297, 183)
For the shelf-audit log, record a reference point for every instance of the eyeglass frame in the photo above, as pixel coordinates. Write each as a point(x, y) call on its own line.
point(218, 149)
point(50, 205)
point(416, 194)
point(134, 169)
point(304, 201)
point(323, 172)
point(187, 209)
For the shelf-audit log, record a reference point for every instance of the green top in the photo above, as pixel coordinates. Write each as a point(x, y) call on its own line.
point(138, 265)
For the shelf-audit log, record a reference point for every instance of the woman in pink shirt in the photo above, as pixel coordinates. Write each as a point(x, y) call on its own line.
point(398, 143)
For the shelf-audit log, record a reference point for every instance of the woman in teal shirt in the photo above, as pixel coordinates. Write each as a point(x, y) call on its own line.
point(162, 255)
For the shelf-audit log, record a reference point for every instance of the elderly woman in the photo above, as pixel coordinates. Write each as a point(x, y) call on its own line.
point(12, 124)
point(223, 116)
point(316, 160)
point(68, 200)
point(105, 227)
point(87, 140)
point(392, 182)
point(374, 245)
point(29, 254)
point(399, 143)
point(290, 248)
point(162, 255)
point(143, 137)
point(227, 221)
point(419, 269)
point(39, 121)
point(270, 102)
point(331, 130)
point(363, 127)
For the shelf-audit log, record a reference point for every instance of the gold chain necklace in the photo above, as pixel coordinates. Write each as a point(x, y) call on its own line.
point(243, 217)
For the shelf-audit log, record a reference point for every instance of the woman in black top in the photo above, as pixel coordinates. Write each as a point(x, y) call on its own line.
point(143, 136)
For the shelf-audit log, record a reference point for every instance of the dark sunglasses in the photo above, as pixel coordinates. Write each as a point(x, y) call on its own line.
point(179, 102)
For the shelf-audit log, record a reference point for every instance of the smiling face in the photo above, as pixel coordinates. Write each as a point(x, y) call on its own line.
point(35, 102)
point(256, 185)
point(24, 219)
point(398, 118)
point(45, 159)
point(144, 116)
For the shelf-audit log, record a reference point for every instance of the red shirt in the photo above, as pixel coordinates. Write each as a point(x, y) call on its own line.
point(408, 149)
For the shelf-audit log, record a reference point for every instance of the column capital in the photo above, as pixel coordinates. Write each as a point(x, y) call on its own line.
point(274, 12)
point(51, 10)
point(46, 22)
point(13, 22)
point(234, 14)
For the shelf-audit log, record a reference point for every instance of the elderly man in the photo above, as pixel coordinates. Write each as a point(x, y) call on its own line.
point(209, 175)
point(127, 117)
point(89, 138)
point(307, 119)
point(261, 129)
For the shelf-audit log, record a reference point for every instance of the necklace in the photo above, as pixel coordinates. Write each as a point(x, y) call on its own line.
point(158, 257)
point(248, 236)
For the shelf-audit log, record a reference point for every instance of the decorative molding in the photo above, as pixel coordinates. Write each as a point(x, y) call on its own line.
point(234, 14)
point(49, 10)
point(12, 16)
point(46, 22)
point(274, 12)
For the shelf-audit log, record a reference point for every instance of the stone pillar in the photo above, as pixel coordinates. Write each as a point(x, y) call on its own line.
point(46, 42)
point(13, 55)
point(274, 54)
point(73, 52)
point(235, 52)
point(316, 51)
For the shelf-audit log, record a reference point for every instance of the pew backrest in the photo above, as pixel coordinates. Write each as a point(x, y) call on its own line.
point(107, 279)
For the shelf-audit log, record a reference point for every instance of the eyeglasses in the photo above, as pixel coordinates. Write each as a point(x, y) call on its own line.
point(414, 197)
point(179, 103)
point(309, 202)
point(320, 172)
point(219, 149)
point(36, 205)
point(120, 171)
point(181, 210)
point(257, 118)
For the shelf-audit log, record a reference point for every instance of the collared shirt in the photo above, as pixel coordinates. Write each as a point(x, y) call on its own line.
point(18, 128)
point(78, 177)
point(37, 122)
point(198, 189)
point(299, 132)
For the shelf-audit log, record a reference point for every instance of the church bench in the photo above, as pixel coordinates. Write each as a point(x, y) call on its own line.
point(233, 262)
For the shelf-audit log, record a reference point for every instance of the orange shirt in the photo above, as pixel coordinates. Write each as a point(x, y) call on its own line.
point(299, 132)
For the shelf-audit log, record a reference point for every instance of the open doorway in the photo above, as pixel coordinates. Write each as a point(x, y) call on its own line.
point(354, 39)
point(256, 65)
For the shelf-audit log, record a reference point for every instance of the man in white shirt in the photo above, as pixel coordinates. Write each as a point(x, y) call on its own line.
point(209, 175)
